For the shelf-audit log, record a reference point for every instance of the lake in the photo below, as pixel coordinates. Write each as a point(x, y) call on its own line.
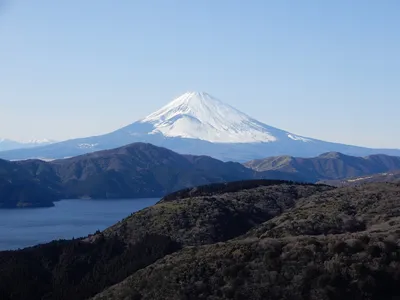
point(21, 228)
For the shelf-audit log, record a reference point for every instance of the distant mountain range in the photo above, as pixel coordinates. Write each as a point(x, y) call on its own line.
point(135, 171)
point(6, 144)
point(328, 166)
point(197, 123)
point(142, 170)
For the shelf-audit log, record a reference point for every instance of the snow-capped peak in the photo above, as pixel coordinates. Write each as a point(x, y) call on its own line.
point(31, 141)
point(199, 115)
point(38, 141)
point(7, 144)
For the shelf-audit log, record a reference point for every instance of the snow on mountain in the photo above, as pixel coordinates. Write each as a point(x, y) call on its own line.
point(197, 123)
point(298, 138)
point(39, 141)
point(7, 144)
point(200, 116)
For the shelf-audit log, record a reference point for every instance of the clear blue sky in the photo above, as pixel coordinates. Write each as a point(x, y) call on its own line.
point(323, 69)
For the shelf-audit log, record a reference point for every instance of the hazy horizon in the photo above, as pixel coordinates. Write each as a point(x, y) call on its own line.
point(328, 71)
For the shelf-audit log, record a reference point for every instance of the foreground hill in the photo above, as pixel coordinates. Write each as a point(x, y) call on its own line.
point(199, 124)
point(328, 166)
point(81, 268)
point(135, 171)
point(242, 240)
point(337, 244)
point(213, 213)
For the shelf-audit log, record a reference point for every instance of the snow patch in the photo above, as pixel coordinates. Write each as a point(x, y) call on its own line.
point(298, 138)
point(39, 158)
point(6, 144)
point(39, 141)
point(87, 145)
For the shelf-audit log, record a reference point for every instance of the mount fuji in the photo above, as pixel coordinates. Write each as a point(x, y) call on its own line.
point(199, 124)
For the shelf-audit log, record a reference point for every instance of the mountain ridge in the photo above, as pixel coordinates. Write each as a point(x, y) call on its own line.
point(328, 166)
point(137, 170)
point(142, 170)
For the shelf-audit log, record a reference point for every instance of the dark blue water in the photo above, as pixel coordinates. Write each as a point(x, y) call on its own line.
point(21, 228)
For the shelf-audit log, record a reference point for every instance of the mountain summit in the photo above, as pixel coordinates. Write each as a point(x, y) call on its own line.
point(198, 115)
point(199, 124)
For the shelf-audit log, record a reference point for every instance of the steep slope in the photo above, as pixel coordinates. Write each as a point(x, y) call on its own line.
point(328, 166)
point(197, 123)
